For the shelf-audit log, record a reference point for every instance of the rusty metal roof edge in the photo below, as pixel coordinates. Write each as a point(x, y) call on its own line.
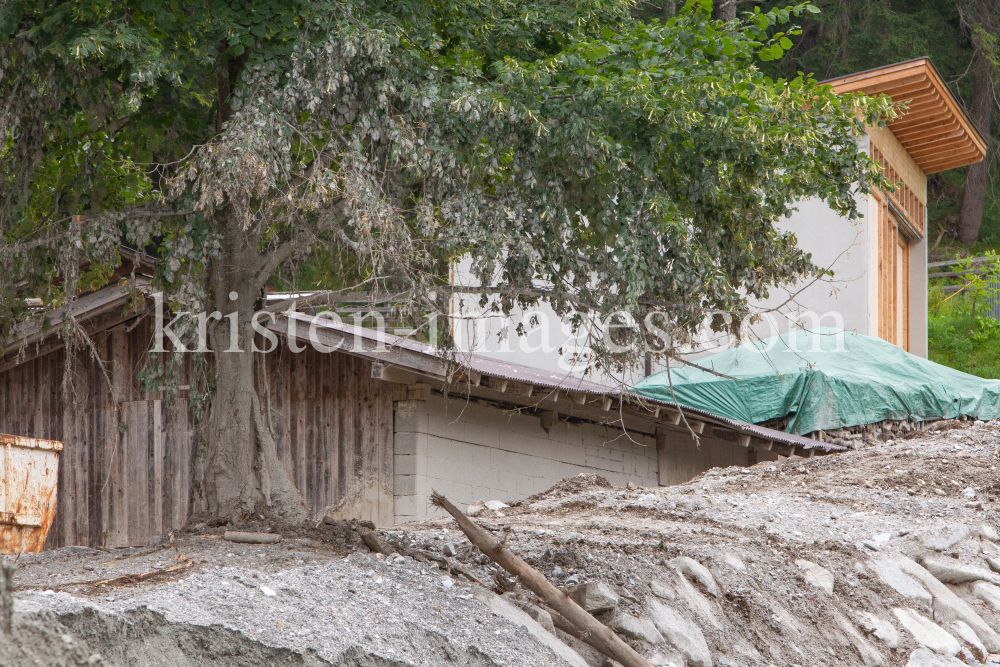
point(494, 368)
point(25, 442)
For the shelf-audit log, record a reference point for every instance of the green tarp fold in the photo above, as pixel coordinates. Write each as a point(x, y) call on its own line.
point(825, 379)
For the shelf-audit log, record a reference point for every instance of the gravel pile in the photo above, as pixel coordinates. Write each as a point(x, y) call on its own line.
point(882, 556)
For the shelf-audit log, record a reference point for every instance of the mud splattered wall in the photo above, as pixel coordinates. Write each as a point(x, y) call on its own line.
point(121, 485)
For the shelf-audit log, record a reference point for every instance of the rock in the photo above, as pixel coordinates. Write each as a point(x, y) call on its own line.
point(969, 493)
point(951, 571)
point(945, 537)
point(924, 658)
point(697, 601)
point(988, 532)
point(697, 572)
point(680, 633)
point(890, 574)
point(948, 606)
point(543, 617)
point(988, 593)
point(870, 656)
point(495, 505)
point(474, 510)
point(927, 632)
point(662, 590)
point(735, 562)
point(667, 659)
point(884, 631)
point(450, 550)
point(268, 591)
point(595, 596)
point(637, 628)
point(994, 563)
point(504, 608)
point(961, 631)
point(817, 575)
point(870, 544)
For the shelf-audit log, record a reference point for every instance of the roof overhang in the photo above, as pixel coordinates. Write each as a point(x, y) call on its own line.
point(473, 376)
point(933, 128)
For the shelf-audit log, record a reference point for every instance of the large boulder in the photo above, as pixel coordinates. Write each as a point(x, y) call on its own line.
point(948, 606)
point(988, 593)
point(951, 571)
point(926, 632)
point(890, 574)
point(698, 573)
point(924, 658)
point(637, 628)
point(595, 596)
point(816, 575)
point(680, 633)
point(881, 629)
point(942, 538)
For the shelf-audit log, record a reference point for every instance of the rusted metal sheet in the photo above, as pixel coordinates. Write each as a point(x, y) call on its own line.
point(29, 472)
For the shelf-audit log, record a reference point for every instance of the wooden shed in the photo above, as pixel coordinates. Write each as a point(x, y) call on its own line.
point(365, 430)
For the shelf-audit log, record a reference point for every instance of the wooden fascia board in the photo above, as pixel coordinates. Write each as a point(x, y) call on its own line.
point(367, 349)
point(877, 85)
point(86, 308)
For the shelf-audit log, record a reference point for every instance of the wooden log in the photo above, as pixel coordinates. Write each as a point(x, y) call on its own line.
point(373, 541)
point(251, 538)
point(598, 635)
point(6, 595)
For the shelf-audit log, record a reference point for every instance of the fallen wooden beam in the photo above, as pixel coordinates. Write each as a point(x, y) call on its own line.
point(602, 637)
point(251, 538)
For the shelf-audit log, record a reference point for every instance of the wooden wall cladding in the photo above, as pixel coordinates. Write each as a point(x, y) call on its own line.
point(122, 485)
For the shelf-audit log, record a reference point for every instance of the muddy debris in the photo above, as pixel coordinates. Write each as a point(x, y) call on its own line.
point(872, 557)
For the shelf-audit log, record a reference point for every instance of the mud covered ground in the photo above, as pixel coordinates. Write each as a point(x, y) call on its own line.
point(760, 532)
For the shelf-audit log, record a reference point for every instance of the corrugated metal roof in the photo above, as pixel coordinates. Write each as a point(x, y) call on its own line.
point(520, 373)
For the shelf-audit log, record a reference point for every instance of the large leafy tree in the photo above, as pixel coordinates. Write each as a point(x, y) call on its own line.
point(578, 154)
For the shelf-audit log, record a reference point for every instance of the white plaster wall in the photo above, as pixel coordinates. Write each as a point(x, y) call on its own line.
point(471, 451)
point(835, 243)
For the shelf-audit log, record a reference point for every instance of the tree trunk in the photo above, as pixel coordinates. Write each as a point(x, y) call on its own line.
point(724, 10)
point(970, 215)
point(242, 466)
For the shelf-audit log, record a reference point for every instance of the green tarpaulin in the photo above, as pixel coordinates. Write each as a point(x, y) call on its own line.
point(825, 379)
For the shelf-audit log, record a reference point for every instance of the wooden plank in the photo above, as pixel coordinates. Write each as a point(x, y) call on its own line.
point(384, 446)
point(135, 499)
point(157, 484)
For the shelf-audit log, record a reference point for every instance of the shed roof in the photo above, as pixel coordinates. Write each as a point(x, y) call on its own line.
point(481, 377)
point(933, 129)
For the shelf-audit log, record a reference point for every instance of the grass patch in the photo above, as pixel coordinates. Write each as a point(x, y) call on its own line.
point(960, 335)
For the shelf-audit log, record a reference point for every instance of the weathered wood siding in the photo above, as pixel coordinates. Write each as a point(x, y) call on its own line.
point(122, 486)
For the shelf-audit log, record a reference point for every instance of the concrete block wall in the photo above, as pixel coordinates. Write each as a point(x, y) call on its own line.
point(473, 451)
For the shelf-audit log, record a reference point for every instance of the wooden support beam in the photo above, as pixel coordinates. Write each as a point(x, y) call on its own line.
point(580, 398)
point(743, 439)
point(606, 403)
point(549, 418)
point(388, 373)
point(418, 392)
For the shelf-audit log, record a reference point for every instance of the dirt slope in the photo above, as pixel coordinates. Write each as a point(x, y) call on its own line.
point(782, 564)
